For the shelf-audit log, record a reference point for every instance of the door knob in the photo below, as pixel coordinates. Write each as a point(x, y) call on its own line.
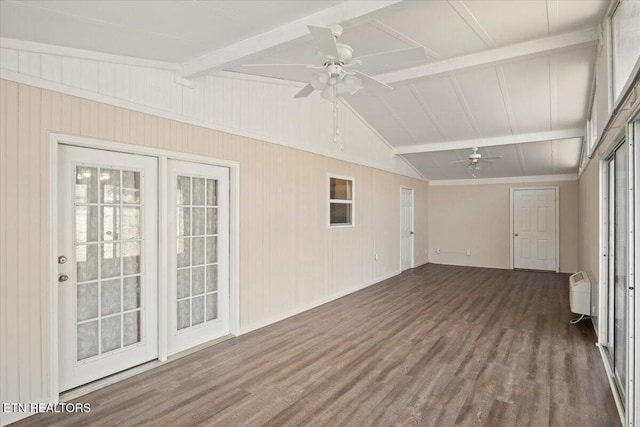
point(515, 234)
point(62, 259)
point(411, 232)
point(63, 278)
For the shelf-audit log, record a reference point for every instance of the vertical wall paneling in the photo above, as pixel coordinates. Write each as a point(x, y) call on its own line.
point(290, 260)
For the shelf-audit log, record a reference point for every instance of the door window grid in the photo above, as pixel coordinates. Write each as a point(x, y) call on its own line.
point(196, 251)
point(108, 296)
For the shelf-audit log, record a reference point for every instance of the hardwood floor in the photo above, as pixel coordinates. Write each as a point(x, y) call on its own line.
point(435, 346)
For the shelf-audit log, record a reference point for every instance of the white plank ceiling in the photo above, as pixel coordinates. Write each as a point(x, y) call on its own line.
point(512, 77)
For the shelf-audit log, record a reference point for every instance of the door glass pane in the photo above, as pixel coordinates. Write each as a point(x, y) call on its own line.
point(212, 192)
point(196, 283)
point(86, 224)
point(198, 191)
point(620, 292)
point(86, 185)
point(109, 186)
point(86, 262)
point(111, 216)
point(131, 187)
point(131, 293)
point(110, 333)
point(87, 340)
point(110, 297)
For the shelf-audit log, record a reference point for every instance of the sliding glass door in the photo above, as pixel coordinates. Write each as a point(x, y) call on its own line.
point(618, 249)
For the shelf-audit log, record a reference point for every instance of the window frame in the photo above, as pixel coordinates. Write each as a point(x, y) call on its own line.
point(351, 202)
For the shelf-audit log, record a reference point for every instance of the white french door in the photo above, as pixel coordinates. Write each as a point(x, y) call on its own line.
point(198, 282)
point(534, 228)
point(107, 263)
point(406, 228)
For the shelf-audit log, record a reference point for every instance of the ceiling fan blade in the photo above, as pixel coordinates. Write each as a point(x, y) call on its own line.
point(492, 158)
point(370, 83)
point(394, 57)
point(324, 40)
point(305, 91)
point(487, 161)
point(459, 161)
point(301, 66)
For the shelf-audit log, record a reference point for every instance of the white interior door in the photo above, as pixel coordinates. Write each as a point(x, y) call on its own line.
point(198, 254)
point(534, 229)
point(107, 285)
point(406, 228)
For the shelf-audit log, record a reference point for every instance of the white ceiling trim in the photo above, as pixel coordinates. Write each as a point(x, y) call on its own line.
point(472, 21)
point(505, 180)
point(522, 138)
point(506, 98)
point(49, 49)
point(220, 58)
point(528, 49)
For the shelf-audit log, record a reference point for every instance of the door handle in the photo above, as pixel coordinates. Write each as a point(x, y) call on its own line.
point(63, 278)
point(515, 234)
point(411, 232)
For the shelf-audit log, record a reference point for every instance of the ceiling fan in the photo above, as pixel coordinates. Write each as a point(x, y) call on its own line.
point(335, 75)
point(475, 159)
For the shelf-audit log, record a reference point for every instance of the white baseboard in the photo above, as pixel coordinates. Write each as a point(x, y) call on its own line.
point(314, 304)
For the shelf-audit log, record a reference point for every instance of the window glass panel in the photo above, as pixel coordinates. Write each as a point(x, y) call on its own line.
point(626, 43)
point(86, 262)
point(86, 224)
point(87, 340)
point(109, 186)
point(131, 292)
point(87, 301)
point(212, 192)
point(131, 328)
point(184, 190)
point(110, 217)
point(340, 189)
point(110, 333)
point(130, 223)
point(86, 185)
point(340, 213)
point(198, 191)
point(130, 187)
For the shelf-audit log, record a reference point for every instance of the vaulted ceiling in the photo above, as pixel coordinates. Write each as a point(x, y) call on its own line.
point(511, 77)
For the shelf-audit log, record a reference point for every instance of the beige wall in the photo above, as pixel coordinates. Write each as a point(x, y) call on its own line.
point(289, 259)
point(589, 232)
point(476, 218)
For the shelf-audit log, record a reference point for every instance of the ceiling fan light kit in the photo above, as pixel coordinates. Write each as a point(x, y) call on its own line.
point(335, 77)
point(474, 160)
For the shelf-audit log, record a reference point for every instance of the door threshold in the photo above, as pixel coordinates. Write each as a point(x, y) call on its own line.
point(533, 270)
point(82, 390)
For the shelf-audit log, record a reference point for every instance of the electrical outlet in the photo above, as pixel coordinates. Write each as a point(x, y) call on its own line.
point(375, 257)
point(438, 251)
point(468, 252)
point(426, 252)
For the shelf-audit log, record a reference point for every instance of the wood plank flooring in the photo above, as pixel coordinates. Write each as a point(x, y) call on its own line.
point(435, 346)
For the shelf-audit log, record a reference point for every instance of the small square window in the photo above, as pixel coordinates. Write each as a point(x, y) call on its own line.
point(340, 201)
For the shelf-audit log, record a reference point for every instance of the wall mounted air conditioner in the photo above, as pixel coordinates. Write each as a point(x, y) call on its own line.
point(580, 293)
